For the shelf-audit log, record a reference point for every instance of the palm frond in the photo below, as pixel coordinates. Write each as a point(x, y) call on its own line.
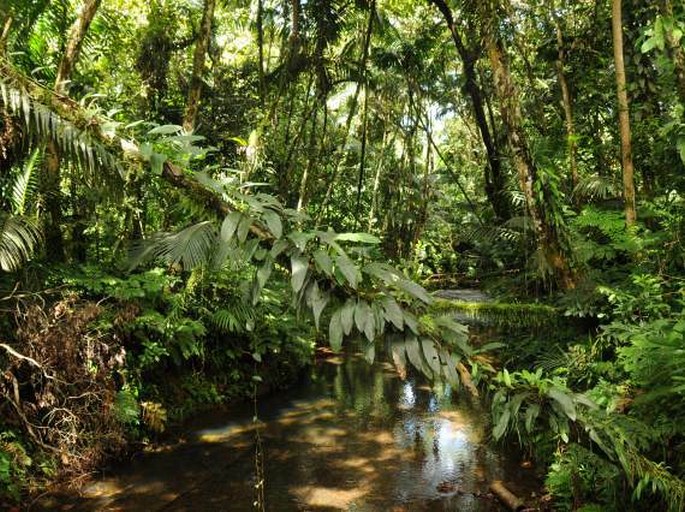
point(233, 319)
point(19, 237)
point(26, 184)
point(593, 188)
point(509, 232)
point(190, 247)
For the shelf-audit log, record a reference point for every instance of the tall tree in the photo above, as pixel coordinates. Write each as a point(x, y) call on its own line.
point(53, 176)
point(201, 47)
point(494, 175)
point(566, 101)
point(539, 199)
point(623, 115)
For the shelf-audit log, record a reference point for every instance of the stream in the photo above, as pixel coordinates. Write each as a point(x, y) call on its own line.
point(353, 437)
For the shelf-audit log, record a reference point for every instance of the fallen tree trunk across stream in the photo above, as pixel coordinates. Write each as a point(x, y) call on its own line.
point(506, 496)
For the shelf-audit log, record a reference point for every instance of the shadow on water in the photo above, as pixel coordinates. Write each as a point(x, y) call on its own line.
point(354, 437)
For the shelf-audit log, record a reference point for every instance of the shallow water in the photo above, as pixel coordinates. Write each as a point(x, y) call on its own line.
point(354, 437)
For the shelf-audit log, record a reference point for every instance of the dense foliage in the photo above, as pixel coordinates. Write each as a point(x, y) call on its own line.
point(197, 194)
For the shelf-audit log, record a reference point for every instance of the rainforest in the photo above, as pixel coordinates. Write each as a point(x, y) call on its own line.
point(371, 255)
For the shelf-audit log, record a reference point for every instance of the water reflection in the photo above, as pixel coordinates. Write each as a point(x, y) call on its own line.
point(354, 438)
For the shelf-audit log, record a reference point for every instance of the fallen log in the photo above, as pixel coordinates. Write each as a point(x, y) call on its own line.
point(70, 112)
point(509, 499)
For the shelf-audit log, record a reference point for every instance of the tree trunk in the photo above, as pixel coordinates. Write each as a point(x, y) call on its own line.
point(201, 47)
point(377, 179)
point(311, 157)
point(53, 178)
point(494, 175)
point(548, 237)
point(260, 47)
point(362, 160)
point(568, 106)
point(623, 115)
point(77, 34)
point(340, 156)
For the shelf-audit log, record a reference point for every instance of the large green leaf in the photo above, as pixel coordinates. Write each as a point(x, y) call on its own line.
point(431, 356)
point(393, 312)
point(299, 264)
point(264, 272)
point(370, 352)
point(317, 300)
point(273, 222)
point(335, 332)
point(414, 352)
point(378, 317)
point(347, 316)
point(410, 321)
point(364, 238)
point(348, 269)
point(532, 413)
point(278, 248)
point(323, 262)
point(244, 228)
point(565, 401)
point(414, 290)
point(383, 271)
point(165, 129)
point(229, 225)
point(502, 424)
point(449, 367)
point(362, 313)
point(300, 239)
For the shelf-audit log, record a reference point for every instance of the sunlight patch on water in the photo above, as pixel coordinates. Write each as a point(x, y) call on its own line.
point(327, 496)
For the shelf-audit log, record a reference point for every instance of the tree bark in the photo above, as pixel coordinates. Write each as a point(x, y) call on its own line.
point(494, 175)
point(201, 47)
point(260, 48)
point(77, 34)
point(623, 115)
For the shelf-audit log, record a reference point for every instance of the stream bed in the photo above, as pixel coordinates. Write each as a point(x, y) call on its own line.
point(351, 437)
